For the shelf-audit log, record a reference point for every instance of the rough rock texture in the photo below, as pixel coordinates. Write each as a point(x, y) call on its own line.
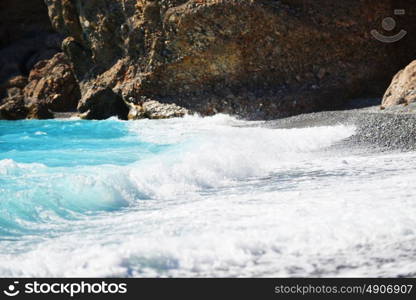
point(403, 88)
point(155, 110)
point(256, 58)
point(51, 87)
point(102, 103)
point(38, 111)
point(13, 105)
point(52, 83)
point(34, 81)
point(13, 109)
point(10, 87)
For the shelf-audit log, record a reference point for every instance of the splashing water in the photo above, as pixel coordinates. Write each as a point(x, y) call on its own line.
point(200, 197)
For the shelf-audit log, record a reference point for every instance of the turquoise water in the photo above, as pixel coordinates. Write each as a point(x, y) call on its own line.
point(201, 197)
point(45, 166)
point(65, 143)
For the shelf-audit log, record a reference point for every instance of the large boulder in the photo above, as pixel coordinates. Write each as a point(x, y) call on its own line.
point(33, 81)
point(52, 84)
point(402, 89)
point(102, 103)
point(12, 103)
point(152, 109)
point(51, 87)
point(257, 58)
point(14, 106)
point(38, 111)
point(12, 84)
point(13, 109)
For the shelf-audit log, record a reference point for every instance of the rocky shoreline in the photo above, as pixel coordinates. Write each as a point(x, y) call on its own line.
point(257, 59)
point(389, 129)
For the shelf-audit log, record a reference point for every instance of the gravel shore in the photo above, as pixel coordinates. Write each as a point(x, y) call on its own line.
point(391, 129)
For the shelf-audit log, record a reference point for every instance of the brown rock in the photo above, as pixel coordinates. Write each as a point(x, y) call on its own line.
point(292, 56)
point(12, 104)
point(39, 111)
point(402, 89)
point(102, 103)
point(52, 83)
point(13, 107)
point(18, 82)
point(155, 110)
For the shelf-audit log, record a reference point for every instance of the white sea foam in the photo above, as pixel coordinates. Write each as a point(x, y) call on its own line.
point(218, 154)
point(10, 167)
point(226, 200)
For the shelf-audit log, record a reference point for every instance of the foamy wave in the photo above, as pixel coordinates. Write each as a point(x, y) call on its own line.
point(226, 200)
point(11, 167)
point(210, 154)
point(221, 154)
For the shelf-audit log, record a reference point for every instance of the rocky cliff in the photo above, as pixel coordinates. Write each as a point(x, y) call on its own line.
point(27, 38)
point(259, 59)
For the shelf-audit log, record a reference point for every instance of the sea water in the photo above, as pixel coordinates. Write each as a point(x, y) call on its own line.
point(201, 197)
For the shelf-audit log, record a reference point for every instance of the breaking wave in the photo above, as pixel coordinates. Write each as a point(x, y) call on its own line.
point(200, 197)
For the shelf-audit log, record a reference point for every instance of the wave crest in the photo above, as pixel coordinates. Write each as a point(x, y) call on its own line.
point(208, 154)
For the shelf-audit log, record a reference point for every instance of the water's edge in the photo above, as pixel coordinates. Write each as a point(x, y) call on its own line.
point(375, 128)
point(204, 197)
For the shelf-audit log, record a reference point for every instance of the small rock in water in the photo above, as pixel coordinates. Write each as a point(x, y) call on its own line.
point(155, 110)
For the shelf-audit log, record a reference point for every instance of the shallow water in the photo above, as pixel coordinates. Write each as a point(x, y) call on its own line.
point(201, 197)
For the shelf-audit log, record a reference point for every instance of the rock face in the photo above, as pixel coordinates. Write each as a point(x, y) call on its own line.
point(255, 58)
point(35, 79)
point(51, 87)
point(260, 59)
point(52, 83)
point(102, 103)
point(13, 105)
point(403, 88)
